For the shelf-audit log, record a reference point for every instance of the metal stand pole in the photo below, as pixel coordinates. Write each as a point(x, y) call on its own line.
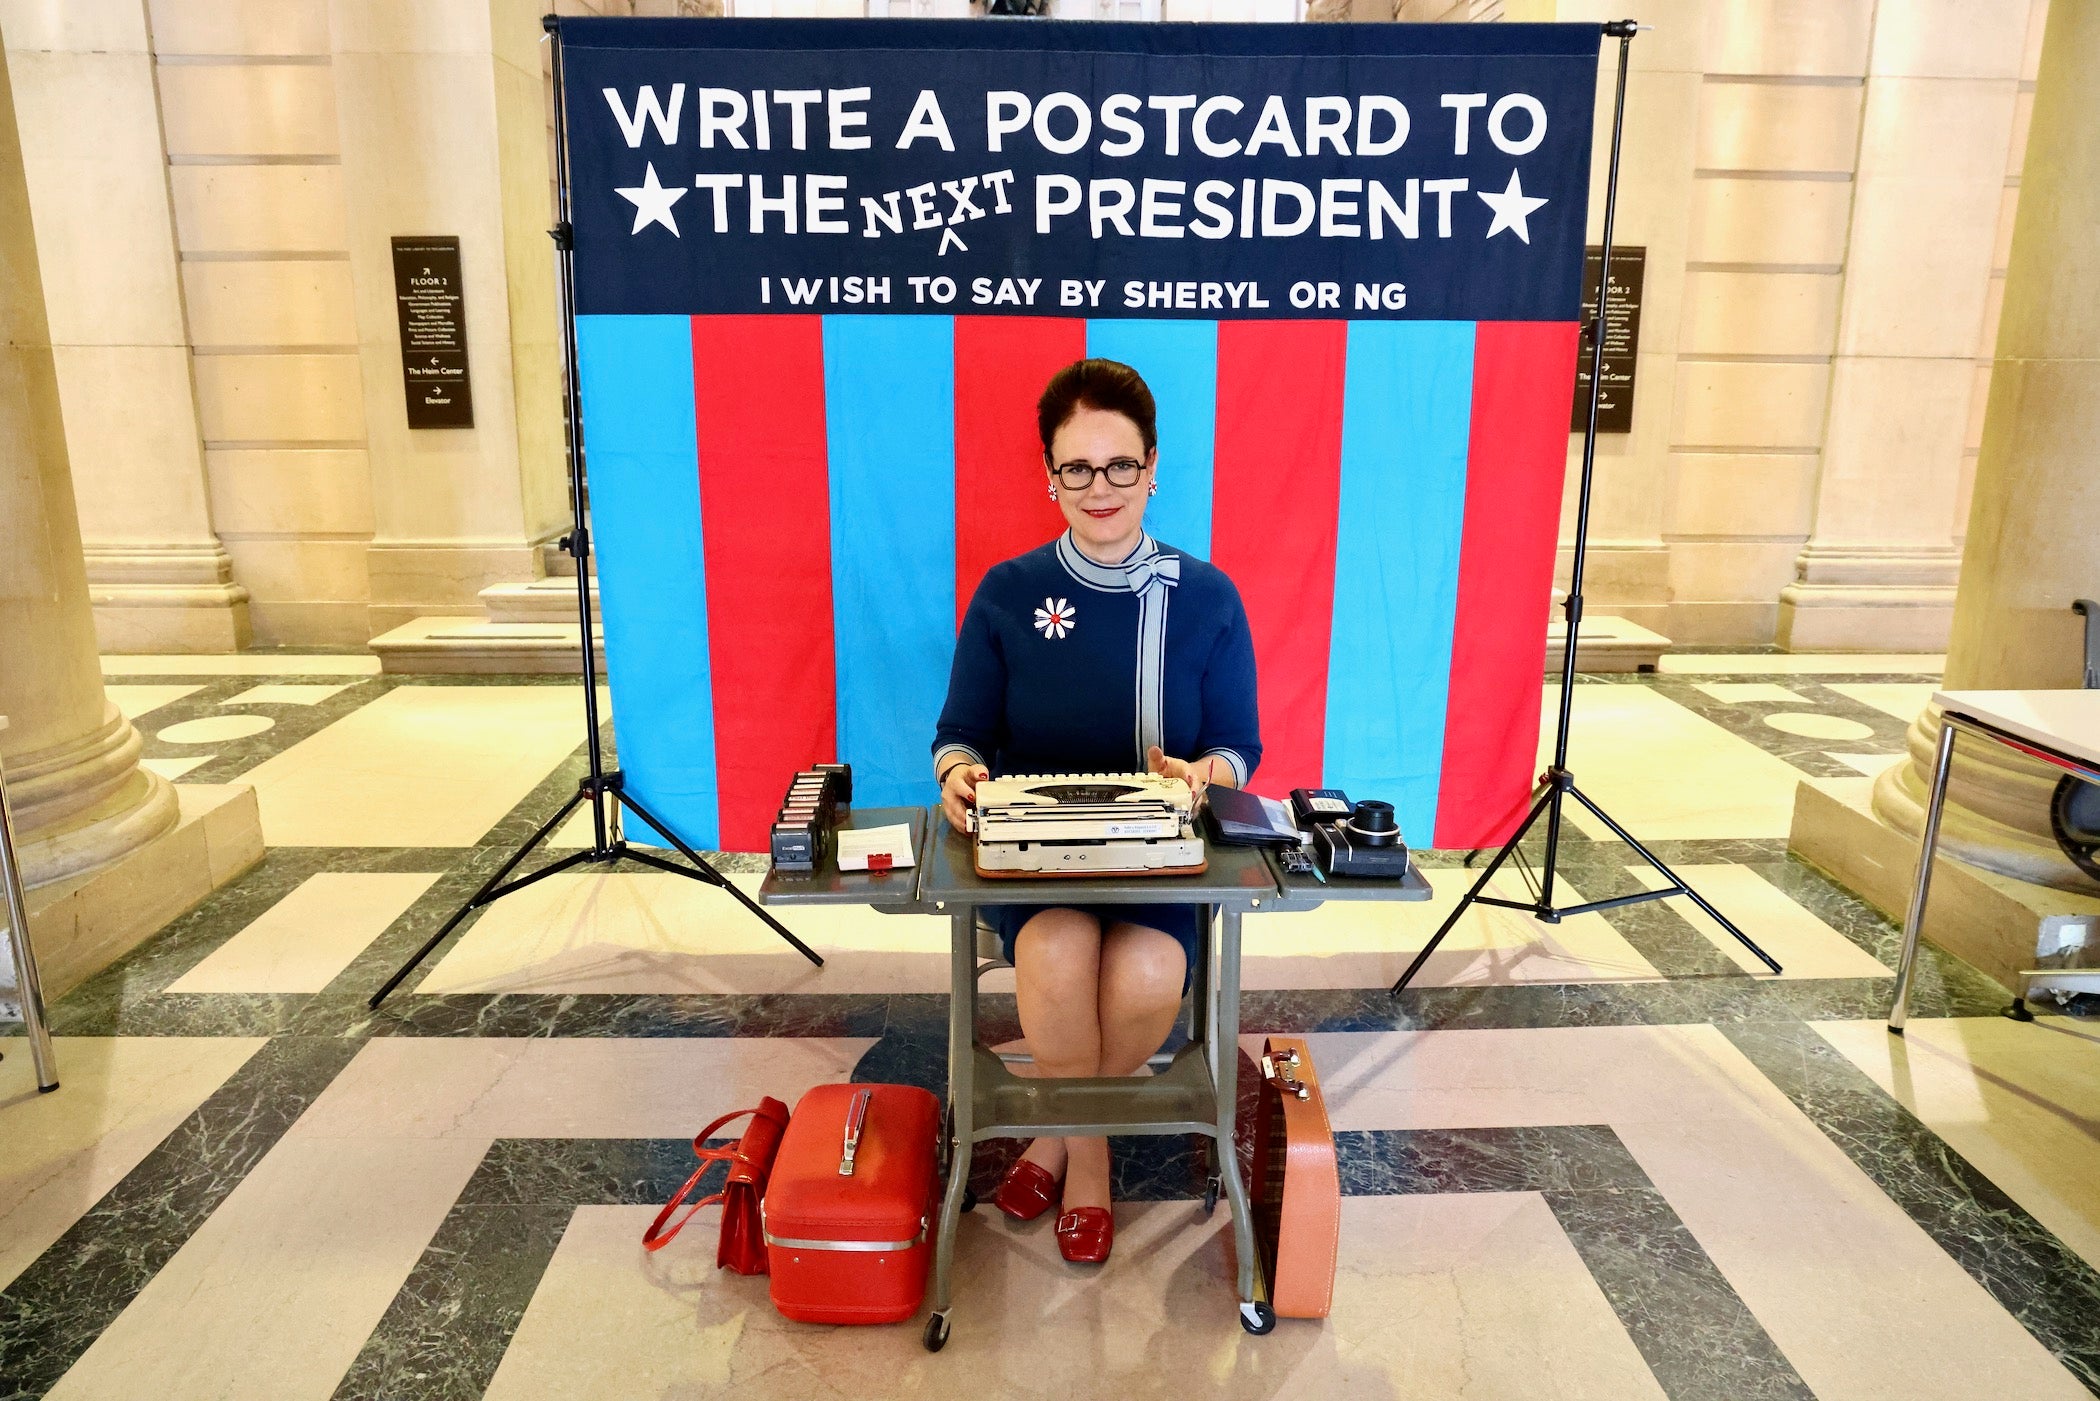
point(1928, 847)
point(602, 788)
point(28, 985)
point(1557, 783)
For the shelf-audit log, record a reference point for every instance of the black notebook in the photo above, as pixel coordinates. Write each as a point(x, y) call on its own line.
point(1243, 819)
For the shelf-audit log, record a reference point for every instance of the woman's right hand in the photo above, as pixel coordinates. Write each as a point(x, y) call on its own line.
point(959, 792)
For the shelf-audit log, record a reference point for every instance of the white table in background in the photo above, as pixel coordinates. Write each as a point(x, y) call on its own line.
point(2058, 727)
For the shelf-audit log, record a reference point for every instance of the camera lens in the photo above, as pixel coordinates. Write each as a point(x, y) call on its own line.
point(1373, 821)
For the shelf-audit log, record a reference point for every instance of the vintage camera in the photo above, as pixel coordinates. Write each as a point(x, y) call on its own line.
point(1366, 843)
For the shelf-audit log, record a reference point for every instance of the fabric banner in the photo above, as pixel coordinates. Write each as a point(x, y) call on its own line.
point(824, 268)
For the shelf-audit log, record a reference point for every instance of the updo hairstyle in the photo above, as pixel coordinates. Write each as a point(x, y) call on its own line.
point(1108, 385)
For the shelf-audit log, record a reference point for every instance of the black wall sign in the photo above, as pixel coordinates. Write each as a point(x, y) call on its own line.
point(1622, 338)
point(432, 307)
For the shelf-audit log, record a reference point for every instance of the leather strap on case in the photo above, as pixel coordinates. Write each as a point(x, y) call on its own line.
point(749, 1159)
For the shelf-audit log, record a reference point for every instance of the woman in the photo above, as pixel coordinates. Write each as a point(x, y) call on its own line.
point(1103, 651)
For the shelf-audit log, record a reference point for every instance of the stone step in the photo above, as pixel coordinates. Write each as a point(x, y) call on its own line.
point(478, 646)
point(531, 628)
point(550, 600)
point(1606, 644)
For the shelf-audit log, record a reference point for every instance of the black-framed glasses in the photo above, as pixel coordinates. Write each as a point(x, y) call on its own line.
point(1121, 471)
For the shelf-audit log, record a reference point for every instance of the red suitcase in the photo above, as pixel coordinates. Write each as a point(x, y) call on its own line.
point(849, 1209)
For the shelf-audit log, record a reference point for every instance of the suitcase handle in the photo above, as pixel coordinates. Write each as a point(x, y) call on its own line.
point(856, 1121)
point(1282, 1072)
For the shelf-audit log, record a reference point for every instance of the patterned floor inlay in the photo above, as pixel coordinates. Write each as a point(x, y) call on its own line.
point(2040, 1281)
point(55, 1309)
point(1611, 1154)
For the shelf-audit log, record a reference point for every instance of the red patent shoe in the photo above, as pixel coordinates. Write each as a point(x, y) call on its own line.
point(1026, 1191)
point(1085, 1234)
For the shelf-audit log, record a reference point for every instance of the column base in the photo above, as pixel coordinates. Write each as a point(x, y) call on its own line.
point(1869, 598)
point(1854, 618)
point(83, 924)
point(1990, 921)
point(166, 598)
point(414, 579)
point(1997, 812)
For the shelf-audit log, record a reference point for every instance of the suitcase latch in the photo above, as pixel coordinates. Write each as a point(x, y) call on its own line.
point(856, 1120)
point(1282, 1072)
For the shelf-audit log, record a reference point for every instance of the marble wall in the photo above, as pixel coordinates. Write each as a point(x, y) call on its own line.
point(248, 93)
point(1824, 189)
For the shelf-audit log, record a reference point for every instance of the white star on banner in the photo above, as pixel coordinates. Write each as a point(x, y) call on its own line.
point(1511, 208)
point(652, 202)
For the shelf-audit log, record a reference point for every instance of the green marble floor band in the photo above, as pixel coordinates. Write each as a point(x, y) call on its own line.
point(2036, 1278)
point(57, 1307)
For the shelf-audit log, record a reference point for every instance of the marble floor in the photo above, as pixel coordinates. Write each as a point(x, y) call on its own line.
point(1604, 1158)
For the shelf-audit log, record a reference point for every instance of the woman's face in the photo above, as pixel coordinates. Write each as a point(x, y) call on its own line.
point(1105, 518)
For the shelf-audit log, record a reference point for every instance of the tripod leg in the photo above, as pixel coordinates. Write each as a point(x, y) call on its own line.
point(714, 877)
point(1671, 876)
point(1473, 894)
point(481, 897)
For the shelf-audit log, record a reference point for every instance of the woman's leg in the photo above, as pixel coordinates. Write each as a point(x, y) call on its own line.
point(1057, 979)
point(1139, 994)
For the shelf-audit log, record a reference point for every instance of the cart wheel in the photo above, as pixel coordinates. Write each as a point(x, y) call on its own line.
point(1210, 1193)
point(1255, 1318)
point(969, 1201)
point(937, 1332)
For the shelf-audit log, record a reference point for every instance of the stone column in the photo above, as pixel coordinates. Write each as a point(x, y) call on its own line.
point(1878, 573)
point(91, 131)
point(80, 798)
point(2033, 543)
point(442, 110)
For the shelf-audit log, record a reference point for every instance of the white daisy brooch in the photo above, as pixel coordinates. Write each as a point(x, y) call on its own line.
point(1055, 618)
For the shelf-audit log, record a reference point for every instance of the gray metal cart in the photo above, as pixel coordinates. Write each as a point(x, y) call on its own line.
point(1194, 1094)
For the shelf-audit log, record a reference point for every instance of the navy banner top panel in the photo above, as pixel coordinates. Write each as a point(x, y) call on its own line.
point(1057, 167)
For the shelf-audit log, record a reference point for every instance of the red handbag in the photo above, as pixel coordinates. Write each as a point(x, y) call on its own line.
point(750, 1159)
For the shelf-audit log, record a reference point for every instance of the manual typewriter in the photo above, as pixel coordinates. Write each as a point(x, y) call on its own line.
point(1092, 824)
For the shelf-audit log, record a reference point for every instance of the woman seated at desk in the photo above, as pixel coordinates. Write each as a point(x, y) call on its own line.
point(1103, 651)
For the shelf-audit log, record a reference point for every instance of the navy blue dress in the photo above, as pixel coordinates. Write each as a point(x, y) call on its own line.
point(1065, 665)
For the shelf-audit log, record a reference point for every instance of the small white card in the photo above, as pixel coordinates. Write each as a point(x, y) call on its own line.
point(875, 848)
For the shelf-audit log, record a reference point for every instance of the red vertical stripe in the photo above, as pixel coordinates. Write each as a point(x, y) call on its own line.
point(1002, 506)
point(1523, 380)
point(1276, 489)
point(765, 519)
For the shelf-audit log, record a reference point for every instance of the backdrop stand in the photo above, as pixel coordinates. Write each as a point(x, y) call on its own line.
point(603, 789)
point(1557, 784)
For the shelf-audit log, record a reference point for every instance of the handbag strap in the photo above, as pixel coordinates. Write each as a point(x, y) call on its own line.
point(656, 1237)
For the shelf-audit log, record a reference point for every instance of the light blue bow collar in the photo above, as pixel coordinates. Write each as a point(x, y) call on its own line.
point(1146, 567)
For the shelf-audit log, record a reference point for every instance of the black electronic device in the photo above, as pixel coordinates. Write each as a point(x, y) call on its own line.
point(1314, 806)
point(1366, 843)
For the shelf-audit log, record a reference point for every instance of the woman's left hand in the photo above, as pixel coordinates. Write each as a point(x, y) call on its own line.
point(1197, 776)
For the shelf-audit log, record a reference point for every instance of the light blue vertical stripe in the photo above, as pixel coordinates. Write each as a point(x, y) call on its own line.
point(889, 416)
point(636, 378)
point(1179, 360)
point(1406, 417)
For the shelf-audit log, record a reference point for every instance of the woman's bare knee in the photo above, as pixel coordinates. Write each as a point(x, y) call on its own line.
point(1141, 967)
point(1057, 961)
point(1058, 952)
